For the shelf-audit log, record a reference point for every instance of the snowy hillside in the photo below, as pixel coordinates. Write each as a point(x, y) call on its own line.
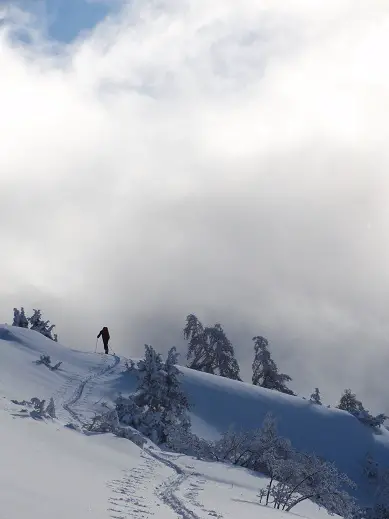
point(48, 467)
point(332, 433)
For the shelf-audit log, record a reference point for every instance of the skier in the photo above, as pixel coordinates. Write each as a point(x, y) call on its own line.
point(105, 336)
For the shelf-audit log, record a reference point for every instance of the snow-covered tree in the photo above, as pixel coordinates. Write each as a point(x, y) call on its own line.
point(200, 355)
point(103, 423)
point(241, 448)
point(159, 405)
point(262, 363)
point(293, 476)
point(176, 404)
point(46, 360)
point(368, 419)
point(185, 442)
point(38, 325)
point(306, 476)
point(249, 448)
point(224, 362)
point(315, 397)
point(265, 370)
point(34, 322)
point(349, 402)
point(210, 350)
point(352, 405)
point(20, 318)
point(151, 380)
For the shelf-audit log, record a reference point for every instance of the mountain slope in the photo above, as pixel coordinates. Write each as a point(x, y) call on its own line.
point(168, 486)
point(332, 433)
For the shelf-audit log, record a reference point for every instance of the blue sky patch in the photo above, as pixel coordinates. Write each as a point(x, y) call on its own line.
point(67, 18)
point(64, 20)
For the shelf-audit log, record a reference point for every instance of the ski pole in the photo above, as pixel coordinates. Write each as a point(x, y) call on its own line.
point(96, 345)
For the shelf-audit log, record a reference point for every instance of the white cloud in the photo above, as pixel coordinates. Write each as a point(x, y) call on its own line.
point(213, 158)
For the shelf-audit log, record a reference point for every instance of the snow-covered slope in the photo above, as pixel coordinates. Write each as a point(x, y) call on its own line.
point(332, 433)
point(46, 466)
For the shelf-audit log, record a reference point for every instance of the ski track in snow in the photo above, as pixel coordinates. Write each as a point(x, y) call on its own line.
point(169, 489)
point(167, 494)
point(129, 493)
point(77, 394)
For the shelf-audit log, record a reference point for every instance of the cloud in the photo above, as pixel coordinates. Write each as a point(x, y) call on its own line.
point(209, 158)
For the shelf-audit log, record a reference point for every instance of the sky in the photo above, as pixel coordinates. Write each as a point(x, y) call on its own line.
point(63, 20)
point(170, 157)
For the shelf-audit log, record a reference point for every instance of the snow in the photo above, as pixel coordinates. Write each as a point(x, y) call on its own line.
point(51, 470)
point(332, 433)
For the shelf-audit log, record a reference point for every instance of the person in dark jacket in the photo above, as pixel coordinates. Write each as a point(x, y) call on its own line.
point(104, 333)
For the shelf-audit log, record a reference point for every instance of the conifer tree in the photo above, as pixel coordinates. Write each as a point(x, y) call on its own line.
point(20, 318)
point(315, 397)
point(265, 370)
point(349, 402)
point(37, 324)
point(224, 362)
point(210, 350)
point(159, 405)
point(199, 354)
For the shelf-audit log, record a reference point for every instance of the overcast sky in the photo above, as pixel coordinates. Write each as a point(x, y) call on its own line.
point(228, 159)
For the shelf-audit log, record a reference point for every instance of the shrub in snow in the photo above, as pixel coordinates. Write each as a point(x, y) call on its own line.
point(352, 405)
point(368, 419)
point(306, 476)
point(20, 318)
point(265, 370)
point(294, 477)
point(241, 448)
point(109, 422)
point(185, 442)
point(131, 434)
point(102, 423)
point(50, 409)
point(73, 426)
point(37, 324)
point(370, 467)
point(39, 407)
point(248, 449)
point(46, 360)
point(210, 350)
point(315, 397)
point(159, 404)
point(39, 410)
